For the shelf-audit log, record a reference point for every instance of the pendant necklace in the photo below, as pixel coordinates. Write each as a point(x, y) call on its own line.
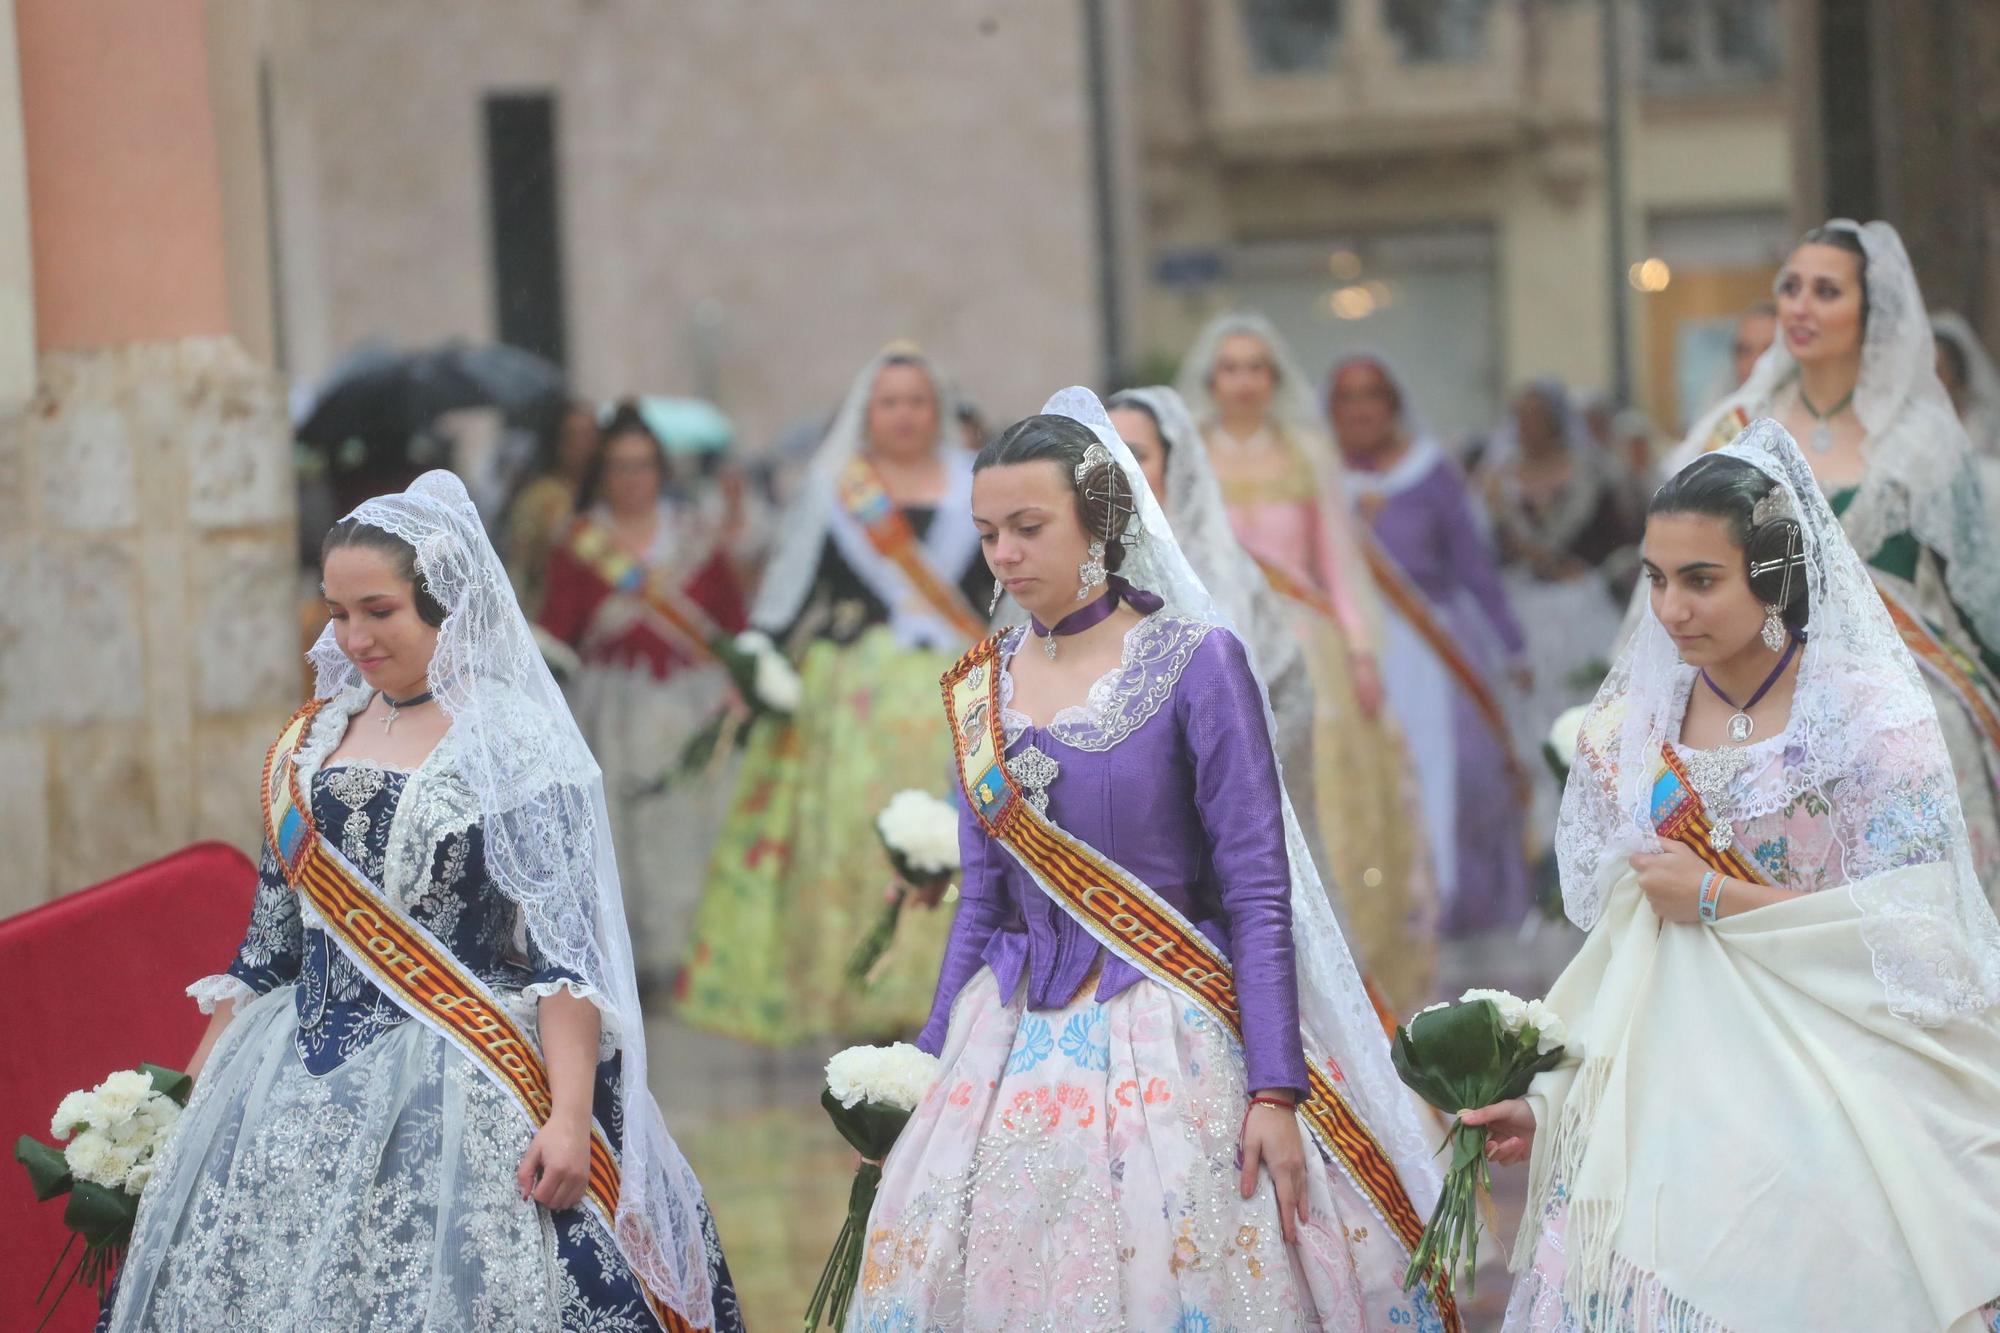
point(397, 705)
point(1077, 621)
point(1822, 431)
point(1740, 723)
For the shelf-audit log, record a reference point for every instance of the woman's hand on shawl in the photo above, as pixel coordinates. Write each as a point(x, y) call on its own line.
point(1271, 1137)
point(1671, 880)
point(1510, 1128)
point(556, 1168)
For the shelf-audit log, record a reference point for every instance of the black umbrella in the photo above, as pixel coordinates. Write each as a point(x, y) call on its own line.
point(384, 400)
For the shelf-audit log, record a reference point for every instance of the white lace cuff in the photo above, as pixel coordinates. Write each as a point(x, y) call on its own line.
point(607, 1017)
point(220, 989)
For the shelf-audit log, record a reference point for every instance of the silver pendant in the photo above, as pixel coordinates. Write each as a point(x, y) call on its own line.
point(1822, 438)
point(1740, 727)
point(1049, 647)
point(389, 719)
point(1721, 836)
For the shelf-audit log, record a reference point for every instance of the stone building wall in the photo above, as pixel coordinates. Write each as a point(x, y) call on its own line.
point(148, 631)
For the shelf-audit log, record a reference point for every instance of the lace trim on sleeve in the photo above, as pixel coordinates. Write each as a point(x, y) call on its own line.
point(219, 989)
point(528, 1011)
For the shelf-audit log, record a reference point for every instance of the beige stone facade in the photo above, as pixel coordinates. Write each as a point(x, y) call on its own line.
point(1456, 177)
point(753, 197)
point(147, 633)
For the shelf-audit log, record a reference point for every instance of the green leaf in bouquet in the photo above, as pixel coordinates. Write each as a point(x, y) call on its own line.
point(48, 1169)
point(101, 1216)
point(1451, 1056)
point(169, 1083)
point(870, 1127)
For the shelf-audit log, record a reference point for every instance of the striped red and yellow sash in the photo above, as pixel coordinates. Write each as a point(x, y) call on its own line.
point(1962, 677)
point(1678, 814)
point(415, 969)
point(889, 532)
point(1415, 608)
point(1127, 917)
point(692, 628)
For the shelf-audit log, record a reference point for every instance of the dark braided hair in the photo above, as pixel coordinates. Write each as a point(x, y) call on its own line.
point(1105, 504)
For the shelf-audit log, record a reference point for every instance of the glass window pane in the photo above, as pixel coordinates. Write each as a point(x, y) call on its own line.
point(1286, 36)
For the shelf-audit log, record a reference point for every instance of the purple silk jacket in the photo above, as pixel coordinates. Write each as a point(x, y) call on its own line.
point(1168, 770)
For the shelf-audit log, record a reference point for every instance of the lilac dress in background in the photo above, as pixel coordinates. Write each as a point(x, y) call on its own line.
point(1076, 1163)
point(1423, 517)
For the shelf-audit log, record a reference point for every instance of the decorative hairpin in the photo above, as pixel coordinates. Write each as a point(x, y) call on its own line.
point(1776, 504)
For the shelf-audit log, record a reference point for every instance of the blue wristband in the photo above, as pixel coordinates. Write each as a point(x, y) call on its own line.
point(1711, 896)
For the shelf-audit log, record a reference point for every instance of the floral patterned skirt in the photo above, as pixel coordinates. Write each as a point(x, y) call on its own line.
point(797, 875)
point(379, 1195)
point(1077, 1169)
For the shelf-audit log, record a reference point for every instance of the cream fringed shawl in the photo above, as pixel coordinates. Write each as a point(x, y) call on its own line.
point(1752, 1141)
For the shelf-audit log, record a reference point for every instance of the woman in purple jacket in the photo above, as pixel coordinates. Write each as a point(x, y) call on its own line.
point(1164, 1100)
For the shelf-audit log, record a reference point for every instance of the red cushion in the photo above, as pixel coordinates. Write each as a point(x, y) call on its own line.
point(94, 984)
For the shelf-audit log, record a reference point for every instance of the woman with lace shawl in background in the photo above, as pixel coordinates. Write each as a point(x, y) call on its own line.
point(1127, 1130)
point(1281, 481)
point(437, 849)
point(1778, 1113)
point(1853, 376)
point(874, 587)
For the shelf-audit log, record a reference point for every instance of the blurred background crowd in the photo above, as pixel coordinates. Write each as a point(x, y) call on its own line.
point(618, 263)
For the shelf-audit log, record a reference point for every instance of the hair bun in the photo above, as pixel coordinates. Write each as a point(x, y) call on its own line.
point(1776, 555)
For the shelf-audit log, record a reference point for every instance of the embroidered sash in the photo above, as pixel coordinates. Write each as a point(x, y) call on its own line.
point(1678, 814)
point(419, 972)
point(688, 624)
point(865, 499)
point(1131, 920)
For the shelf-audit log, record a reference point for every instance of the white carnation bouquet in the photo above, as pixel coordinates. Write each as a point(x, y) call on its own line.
point(920, 834)
point(870, 1093)
point(1484, 1048)
point(115, 1133)
point(766, 686)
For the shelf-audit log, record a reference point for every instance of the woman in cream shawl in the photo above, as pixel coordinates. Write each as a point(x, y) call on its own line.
point(1779, 1110)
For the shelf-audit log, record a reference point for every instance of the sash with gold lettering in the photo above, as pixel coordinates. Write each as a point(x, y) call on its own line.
point(863, 496)
point(1678, 814)
point(690, 627)
point(1963, 678)
point(1127, 917)
point(417, 971)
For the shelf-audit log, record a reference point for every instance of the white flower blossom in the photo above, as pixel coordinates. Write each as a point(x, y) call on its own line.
point(1565, 733)
point(119, 1095)
point(75, 1109)
point(921, 829)
point(1550, 1031)
point(89, 1156)
point(897, 1075)
point(1513, 1009)
point(777, 685)
point(755, 643)
point(140, 1176)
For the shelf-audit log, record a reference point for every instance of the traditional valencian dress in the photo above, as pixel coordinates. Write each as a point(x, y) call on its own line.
point(348, 1159)
point(1784, 1119)
point(875, 600)
point(1302, 530)
point(1442, 662)
point(643, 626)
point(1919, 517)
point(1142, 941)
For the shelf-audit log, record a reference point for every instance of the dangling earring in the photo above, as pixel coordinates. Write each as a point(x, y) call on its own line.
point(999, 591)
point(1774, 628)
point(1091, 572)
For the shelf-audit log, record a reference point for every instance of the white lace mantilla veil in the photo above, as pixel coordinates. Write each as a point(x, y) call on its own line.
point(1863, 740)
point(1982, 383)
point(802, 532)
point(547, 842)
point(1200, 521)
point(1304, 427)
point(1920, 472)
point(1332, 1004)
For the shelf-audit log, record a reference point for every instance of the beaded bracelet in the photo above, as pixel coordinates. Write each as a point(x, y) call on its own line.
point(1711, 896)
